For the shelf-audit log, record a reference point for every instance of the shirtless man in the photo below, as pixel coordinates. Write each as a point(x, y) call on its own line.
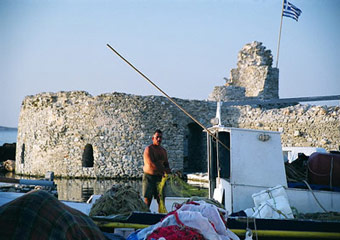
point(155, 166)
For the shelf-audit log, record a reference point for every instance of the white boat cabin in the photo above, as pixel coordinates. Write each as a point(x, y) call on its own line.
point(252, 161)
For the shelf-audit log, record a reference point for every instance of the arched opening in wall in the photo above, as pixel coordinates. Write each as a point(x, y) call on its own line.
point(22, 155)
point(87, 158)
point(194, 154)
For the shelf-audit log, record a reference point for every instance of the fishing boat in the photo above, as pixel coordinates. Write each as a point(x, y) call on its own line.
point(240, 225)
point(246, 173)
point(250, 169)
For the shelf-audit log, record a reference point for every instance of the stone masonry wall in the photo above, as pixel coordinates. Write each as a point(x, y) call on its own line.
point(254, 77)
point(54, 128)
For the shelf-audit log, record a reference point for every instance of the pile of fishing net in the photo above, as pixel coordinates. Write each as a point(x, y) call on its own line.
point(119, 200)
point(296, 171)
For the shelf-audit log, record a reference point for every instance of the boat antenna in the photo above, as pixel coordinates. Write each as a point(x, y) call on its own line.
point(168, 97)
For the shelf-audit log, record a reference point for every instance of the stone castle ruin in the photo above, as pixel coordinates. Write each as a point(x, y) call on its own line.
point(78, 135)
point(254, 77)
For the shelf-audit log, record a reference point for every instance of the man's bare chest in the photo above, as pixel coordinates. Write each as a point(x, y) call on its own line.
point(158, 154)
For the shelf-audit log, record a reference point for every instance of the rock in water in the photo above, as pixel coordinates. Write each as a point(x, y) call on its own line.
point(9, 165)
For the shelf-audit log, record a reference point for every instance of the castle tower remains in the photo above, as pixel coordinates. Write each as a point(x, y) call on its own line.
point(254, 77)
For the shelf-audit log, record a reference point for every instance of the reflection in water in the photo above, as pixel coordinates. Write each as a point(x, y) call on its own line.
point(81, 189)
point(7, 174)
point(86, 193)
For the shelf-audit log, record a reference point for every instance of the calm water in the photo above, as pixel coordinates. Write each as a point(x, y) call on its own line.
point(8, 136)
point(81, 189)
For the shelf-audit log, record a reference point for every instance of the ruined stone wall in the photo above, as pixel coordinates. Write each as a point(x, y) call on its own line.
point(254, 77)
point(54, 128)
point(301, 125)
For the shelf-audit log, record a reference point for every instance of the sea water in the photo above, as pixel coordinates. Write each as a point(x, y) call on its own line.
point(8, 135)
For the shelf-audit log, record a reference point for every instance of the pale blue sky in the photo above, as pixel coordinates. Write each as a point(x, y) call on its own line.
point(184, 46)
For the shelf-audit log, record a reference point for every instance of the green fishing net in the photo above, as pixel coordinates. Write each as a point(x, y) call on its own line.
point(118, 200)
point(172, 185)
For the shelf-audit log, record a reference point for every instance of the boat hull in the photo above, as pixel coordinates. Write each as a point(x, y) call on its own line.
point(263, 228)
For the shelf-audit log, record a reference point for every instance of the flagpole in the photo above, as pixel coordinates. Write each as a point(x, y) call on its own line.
point(278, 45)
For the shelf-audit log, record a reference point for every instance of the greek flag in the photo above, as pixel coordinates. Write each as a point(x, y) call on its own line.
point(289, 10)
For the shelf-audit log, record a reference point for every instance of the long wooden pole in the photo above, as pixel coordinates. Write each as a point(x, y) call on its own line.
point(168, 97)
point(278, 45)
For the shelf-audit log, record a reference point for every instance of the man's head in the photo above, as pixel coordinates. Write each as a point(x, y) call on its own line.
point(157, 137)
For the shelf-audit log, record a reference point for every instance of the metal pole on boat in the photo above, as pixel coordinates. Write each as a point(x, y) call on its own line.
point(211, 187)
point(167, 96)
point(217, 161)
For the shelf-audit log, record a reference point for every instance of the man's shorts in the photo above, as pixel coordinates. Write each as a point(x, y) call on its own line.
point(150, 183)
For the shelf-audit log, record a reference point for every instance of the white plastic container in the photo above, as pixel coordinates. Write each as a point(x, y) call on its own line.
point(272, 203)
point(270, 193)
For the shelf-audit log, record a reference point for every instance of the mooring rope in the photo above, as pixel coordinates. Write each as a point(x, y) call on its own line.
point(311, 190)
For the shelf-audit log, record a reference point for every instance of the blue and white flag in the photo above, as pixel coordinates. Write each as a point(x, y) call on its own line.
point(289, 10)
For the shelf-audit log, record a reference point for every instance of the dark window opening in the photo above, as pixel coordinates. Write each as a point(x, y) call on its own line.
point(22, 156)
point(194, 155)
point(87, 159)
point(223, 155)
